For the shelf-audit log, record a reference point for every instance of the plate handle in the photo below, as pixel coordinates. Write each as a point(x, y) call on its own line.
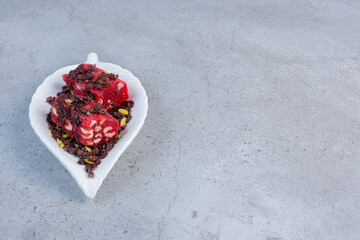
point(92, 58)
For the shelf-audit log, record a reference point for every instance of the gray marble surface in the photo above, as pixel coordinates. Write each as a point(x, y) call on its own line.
point(252, 131)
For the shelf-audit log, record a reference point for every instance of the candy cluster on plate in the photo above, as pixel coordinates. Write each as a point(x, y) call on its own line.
point(89, 114)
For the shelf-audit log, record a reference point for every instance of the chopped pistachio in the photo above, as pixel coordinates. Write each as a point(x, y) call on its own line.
point(89, 162)
point(88, 149)
point(119, 136)
point(123, 111)
point(76, 145)
point(60, 143)
point(123, 122)
point(58, 128)
point(50, 131)
point(68, 101)
point(65, 135)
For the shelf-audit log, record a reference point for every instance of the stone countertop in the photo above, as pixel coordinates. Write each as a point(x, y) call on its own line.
point(252, 131)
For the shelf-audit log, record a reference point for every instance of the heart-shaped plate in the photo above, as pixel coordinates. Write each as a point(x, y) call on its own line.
point(39, 108)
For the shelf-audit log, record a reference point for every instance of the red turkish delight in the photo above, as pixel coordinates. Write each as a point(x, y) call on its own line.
point(104, 88)
point(85, 121)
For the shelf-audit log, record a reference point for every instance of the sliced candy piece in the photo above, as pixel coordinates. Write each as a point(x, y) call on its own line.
point(102, 87)
point(86, 122)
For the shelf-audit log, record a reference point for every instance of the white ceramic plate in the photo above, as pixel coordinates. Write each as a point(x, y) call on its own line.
point(39, 108)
